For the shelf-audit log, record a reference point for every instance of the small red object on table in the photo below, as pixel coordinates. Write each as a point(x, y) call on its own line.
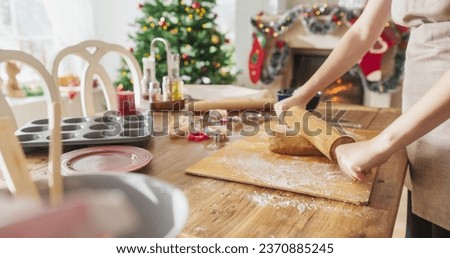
point(197, 137)
point(125, 102)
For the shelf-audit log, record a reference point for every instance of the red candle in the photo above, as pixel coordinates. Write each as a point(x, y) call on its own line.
point(125, 101)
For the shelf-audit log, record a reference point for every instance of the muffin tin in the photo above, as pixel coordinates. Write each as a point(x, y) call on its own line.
point(112, 129)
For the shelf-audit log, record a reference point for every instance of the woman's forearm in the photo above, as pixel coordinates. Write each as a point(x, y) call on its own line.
point(351, 48)
point(427, 113)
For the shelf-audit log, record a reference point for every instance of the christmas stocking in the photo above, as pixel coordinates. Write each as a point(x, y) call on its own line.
point(371, 63)
point(255, 62)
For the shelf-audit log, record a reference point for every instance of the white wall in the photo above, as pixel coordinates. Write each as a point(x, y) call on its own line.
point(112, 19)
point(244, 11)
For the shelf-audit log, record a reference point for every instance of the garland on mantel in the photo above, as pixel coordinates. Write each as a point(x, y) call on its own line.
point(324, 19)
point(318, 19)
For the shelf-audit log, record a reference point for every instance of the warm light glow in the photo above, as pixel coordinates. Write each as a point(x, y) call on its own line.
point(267, 30)
point(339, 23)
point(275, 34)
point(261, 25)
point(165, 27)
point(338, 89)
point(190, 16)
point(283, 27)
point(189, 29)
point(144, 28)
point(317, 12)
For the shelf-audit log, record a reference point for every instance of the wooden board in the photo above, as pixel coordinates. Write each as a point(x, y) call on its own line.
point(250, 161)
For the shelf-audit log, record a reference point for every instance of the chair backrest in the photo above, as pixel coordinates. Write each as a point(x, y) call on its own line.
point(14, 163)
point(5, 110)
point(93, 67)
point(51, 91)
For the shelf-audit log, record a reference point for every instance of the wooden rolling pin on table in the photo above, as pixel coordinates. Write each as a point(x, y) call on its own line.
point(232, 104)
point(325, 137)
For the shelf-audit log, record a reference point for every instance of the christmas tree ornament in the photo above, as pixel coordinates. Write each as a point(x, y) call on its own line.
point(196, 5)
point(162, 22)
point(215, 39)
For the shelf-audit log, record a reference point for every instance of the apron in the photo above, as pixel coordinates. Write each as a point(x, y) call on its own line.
point(427, 59)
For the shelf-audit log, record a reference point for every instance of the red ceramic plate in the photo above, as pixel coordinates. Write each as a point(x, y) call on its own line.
point(105, 159)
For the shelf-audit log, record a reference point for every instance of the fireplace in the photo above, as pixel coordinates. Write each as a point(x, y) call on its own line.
point(347, 89)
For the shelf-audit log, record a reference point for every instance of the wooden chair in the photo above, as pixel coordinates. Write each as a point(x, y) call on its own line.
point(5, 110)
point(13, 163)
point(51, 91)
point(94, 67)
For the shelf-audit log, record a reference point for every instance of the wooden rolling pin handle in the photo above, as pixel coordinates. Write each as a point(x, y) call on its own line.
point(321, 135)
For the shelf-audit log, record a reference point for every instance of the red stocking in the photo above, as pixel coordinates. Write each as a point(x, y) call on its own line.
point(256, 59)
point(371, 63)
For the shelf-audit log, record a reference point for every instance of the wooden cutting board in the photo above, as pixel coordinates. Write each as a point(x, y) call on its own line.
point(250, 161)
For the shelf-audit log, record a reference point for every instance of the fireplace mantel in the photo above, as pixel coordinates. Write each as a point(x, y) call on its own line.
point(302, 42)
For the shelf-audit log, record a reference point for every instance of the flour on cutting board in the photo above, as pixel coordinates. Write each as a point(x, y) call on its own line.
point(249, 160)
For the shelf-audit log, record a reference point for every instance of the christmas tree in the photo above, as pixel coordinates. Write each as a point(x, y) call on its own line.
point(206, 57)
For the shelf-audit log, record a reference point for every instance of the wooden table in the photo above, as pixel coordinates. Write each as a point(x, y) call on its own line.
point(226, 209)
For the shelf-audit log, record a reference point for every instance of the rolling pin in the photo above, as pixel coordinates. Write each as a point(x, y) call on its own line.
point(323, 136)
point(231, 104)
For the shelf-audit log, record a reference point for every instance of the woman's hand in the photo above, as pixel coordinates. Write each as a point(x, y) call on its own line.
point(300, 97)
point(356, 159)
point(287, 103)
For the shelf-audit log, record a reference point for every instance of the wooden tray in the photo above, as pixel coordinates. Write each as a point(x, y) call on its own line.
point(175, 105)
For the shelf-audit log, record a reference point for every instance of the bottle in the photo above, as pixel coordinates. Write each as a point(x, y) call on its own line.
point(167, 95)
point(176, 83)
point(154, 92)
point(146, 75)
